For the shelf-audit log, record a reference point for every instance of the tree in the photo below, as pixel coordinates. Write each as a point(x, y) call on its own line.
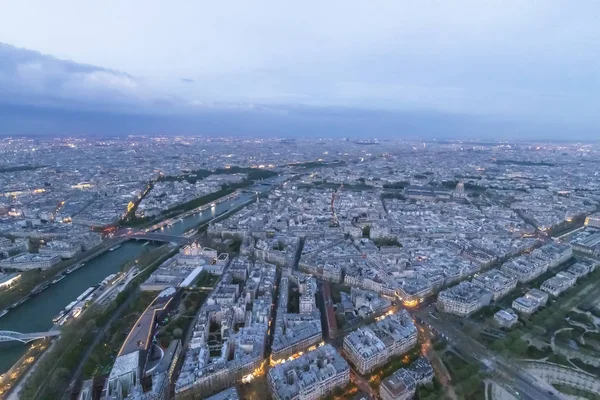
point(498, 345)
point(519, 346)
point(366, 231)
point(58, 381)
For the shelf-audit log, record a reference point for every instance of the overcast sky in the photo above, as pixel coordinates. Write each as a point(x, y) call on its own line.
point(528, 60)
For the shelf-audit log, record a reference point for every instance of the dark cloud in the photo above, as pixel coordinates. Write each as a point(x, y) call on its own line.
point(30, 77)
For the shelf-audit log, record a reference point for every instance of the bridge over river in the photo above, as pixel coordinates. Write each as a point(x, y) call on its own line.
point(9, 336)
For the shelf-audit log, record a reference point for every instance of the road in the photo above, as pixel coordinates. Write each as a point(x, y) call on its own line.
point(524, 386)
point(362, 384)
point(441, 372)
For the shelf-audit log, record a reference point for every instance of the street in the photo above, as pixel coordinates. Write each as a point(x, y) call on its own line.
point(508, 373)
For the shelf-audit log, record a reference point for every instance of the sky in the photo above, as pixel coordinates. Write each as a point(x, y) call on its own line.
point(503, 66)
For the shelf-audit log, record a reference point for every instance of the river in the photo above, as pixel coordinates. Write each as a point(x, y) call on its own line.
point(192, 221)
point(36, 314)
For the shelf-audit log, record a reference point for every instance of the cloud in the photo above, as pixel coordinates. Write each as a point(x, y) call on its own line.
point(187, 80)
point(33, 78)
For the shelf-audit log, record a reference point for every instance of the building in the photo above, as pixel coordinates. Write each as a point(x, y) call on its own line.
point(29, 261)
point(429, 193)
point(241, 320)
point(208, 258)
point(557, 284)
point(422, 371)
point(496, 282)
point(8, 281)
point(459, 191)
point(402, 384)
point(525, 305)
point(310, 376)
point(399, 386)
point(580, 269)
point(538, 296)
point(588, 243)
point(90, 240)
point(296, 332)
point(65, 249)
point(227, 394)
point(463, 299)
point(593, 220)
point(524, 268)
point(506, 318)
point(371, 346)
point(133, 376)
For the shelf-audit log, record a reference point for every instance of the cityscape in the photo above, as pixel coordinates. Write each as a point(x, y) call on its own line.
point(315, 200)
point(188, 267)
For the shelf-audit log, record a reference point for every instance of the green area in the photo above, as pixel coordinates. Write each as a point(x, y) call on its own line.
point(29, 280)
point(366, 231)
point(396, 185)
point(293, 301)
point(206, 279)
point(586, 367)
point(235, 245)
point(466, 377)
point(104, 353)
point(434, 391)
point(566, 226)
point(336, 290)
point(393, 364)
point(192, 177)
point(53, 371)
point(387, 242)
point(468, 186)
point(335, 185)
point(345, 392)
point(19, 168)
point(393, 195)
point(576, 392)
point(524, 162)
point(543, 324)
point(254, 174)
point(318, 164)
point(175, 328)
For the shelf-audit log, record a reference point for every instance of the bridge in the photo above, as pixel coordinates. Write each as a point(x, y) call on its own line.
point(9, 336)
point(160, 237)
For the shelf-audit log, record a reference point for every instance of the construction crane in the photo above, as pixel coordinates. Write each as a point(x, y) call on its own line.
point(334, 196)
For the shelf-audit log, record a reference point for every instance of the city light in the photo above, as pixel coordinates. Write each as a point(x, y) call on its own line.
point(411, 303)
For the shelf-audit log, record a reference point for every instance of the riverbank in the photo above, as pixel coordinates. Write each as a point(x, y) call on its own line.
point(53, 275)
point(37, 313)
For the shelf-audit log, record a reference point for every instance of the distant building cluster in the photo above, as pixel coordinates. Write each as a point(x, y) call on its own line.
point(376, 224)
